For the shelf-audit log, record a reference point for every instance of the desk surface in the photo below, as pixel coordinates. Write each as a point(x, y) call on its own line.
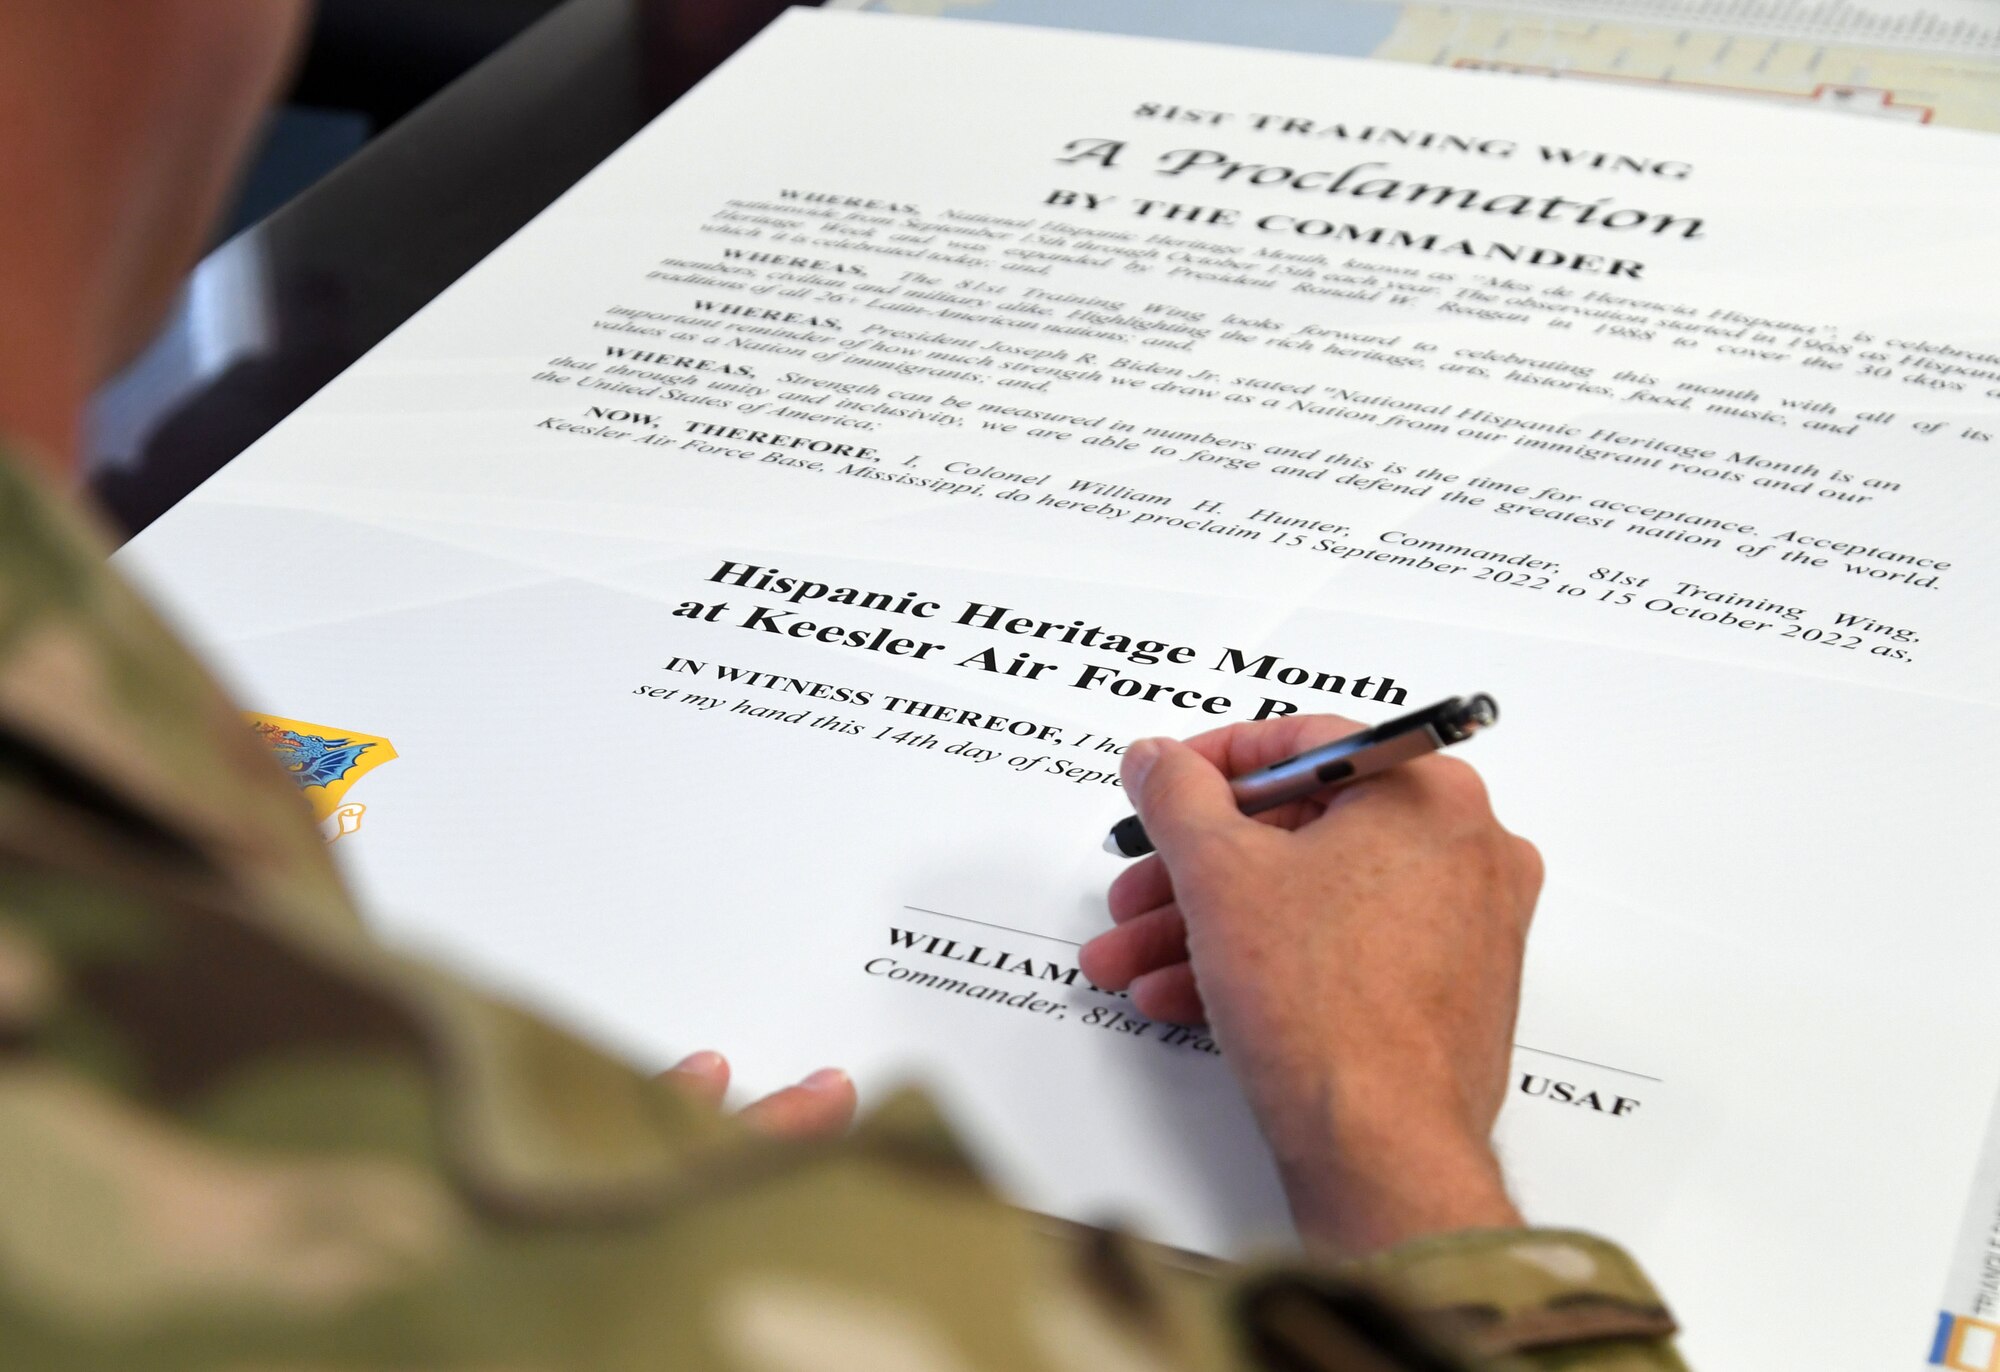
point(280, 310)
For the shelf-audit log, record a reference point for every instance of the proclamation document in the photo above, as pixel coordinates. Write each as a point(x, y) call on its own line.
point(718, 617)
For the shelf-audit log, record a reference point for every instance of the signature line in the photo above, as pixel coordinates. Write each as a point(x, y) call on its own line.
point(1003, 928)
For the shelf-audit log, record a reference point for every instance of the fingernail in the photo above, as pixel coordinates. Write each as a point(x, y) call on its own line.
point(702, 1064)
point(826, 1079)
point(1139, 760)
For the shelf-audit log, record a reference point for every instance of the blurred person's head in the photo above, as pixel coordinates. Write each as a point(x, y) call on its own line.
point(122, 123)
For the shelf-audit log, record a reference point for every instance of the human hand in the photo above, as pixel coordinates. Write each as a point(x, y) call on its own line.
point(821, 1106)
point(1358, 959)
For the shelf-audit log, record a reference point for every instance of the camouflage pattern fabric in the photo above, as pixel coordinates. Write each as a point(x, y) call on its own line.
point(236, 1133)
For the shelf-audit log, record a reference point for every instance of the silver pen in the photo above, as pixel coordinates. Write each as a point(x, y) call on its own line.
point(1345, 760)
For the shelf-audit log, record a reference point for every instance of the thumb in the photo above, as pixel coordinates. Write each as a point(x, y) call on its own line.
point(1180, 796)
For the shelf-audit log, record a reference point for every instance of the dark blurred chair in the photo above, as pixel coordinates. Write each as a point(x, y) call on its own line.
point(367, 64)
point(383, 58)
point(367, 235)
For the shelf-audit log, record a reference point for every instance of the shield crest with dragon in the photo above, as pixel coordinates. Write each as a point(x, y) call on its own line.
point(325, 763)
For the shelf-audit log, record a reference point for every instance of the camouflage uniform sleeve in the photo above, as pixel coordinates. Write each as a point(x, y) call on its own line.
point(1547, 1299)
point(236, 1133)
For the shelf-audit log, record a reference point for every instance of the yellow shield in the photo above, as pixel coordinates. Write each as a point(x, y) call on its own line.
point(324, 761)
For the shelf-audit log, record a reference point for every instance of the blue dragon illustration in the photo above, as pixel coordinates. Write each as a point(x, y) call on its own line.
point(315, 761)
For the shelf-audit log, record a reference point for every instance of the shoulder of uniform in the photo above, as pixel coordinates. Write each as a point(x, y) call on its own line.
point(103, 709)
point(133, 793)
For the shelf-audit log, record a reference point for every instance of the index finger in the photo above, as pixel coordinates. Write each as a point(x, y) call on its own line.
point(1239, 748)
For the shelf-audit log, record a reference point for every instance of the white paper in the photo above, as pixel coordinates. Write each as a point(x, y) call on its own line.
point(1757, 1045)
